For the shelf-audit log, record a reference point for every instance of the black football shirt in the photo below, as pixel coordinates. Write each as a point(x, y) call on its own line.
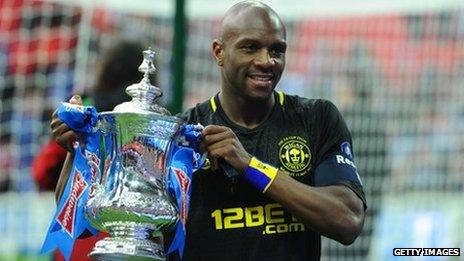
point(230, 219)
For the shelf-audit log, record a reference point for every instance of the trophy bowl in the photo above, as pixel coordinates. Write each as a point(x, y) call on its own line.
point(129, 198)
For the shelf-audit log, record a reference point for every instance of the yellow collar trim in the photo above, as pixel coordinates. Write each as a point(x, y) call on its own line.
point(281, 98)
point(212, 101)
point(213, 104)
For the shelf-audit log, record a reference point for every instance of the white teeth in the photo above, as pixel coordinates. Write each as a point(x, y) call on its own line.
point(261, 78)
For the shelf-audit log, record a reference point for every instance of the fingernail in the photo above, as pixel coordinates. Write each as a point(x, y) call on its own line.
point(76, 97)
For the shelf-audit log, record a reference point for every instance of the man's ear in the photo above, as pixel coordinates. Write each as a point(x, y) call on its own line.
point(218, 51)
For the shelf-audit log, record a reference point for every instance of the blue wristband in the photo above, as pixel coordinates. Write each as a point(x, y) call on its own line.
point(260, 174)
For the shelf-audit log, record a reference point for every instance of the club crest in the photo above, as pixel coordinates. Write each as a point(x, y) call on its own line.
point(295, 155)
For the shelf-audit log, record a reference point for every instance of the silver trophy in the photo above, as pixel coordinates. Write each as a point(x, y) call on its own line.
point(129, 198)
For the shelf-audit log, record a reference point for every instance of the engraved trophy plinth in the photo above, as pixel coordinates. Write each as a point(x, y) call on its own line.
point(129, 199)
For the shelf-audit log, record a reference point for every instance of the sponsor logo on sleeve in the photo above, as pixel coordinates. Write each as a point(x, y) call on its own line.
point(344, 160)
point(345, 147)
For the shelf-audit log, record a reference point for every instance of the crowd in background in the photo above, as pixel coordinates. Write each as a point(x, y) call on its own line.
point(398, 79)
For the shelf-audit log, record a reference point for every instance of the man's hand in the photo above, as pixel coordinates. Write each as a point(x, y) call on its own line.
point(62, 134)
point(221, 143)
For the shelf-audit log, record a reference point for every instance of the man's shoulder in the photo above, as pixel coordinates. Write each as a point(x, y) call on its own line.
point(200, 110)
point(299, 103)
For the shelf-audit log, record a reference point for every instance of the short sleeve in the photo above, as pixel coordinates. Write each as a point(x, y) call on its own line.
point(336, 164)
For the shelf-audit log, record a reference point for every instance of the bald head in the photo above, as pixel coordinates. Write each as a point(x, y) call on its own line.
point(246, 15)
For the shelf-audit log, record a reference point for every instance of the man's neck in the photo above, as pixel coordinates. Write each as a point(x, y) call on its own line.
point(246, 113)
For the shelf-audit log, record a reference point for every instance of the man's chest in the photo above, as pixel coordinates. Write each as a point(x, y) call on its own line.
point(288, 143)
point(291, 149)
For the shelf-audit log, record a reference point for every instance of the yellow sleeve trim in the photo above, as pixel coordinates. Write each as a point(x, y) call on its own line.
point(213, 104)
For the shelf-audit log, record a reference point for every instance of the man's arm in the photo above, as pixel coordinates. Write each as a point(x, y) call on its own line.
point(65, 137)
point(333, 211)
point(64, 176)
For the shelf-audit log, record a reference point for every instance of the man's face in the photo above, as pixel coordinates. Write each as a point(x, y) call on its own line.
point(253, 58)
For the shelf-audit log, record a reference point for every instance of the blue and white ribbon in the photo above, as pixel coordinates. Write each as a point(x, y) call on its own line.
point(69, 222)
point(184, 160)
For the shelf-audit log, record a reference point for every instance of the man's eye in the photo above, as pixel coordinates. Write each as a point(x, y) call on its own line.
point(250, 47)
point(277, 51)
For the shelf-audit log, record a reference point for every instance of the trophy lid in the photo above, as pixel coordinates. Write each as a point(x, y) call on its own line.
point(144, 94)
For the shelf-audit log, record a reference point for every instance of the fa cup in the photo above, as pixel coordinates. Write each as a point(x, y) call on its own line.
point(129, 198)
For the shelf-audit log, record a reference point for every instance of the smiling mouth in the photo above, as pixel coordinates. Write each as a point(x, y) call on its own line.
point(261, 80)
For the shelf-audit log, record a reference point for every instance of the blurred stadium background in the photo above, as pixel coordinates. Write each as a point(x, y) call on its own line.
point(394, 68)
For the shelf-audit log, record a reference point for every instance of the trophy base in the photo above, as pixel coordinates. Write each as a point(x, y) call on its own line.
point(127, 249)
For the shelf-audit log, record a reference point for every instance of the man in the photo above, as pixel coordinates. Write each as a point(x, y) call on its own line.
point(295, 176)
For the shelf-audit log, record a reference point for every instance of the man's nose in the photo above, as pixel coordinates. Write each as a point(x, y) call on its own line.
point(264, 59)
